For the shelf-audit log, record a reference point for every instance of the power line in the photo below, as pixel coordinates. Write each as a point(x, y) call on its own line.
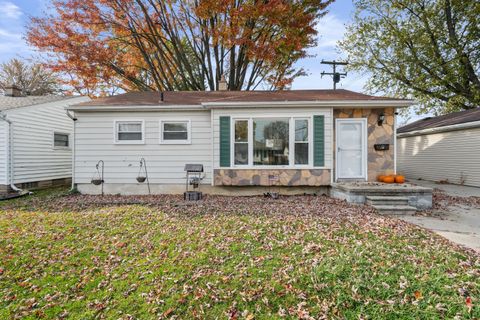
point(335, 75)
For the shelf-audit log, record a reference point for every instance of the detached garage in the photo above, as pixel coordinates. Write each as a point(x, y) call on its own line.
point(444, 148)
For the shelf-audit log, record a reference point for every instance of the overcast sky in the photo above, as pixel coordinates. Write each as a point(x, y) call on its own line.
point(14, 16)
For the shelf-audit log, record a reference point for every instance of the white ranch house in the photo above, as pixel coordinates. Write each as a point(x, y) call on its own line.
point(296, 140)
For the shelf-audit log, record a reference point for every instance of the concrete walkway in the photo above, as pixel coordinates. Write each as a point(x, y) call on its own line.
point(460, 224)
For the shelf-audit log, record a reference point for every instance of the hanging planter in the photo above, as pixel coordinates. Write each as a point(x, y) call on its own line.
point(98, 175)
point(97, 182)
point(143, 174)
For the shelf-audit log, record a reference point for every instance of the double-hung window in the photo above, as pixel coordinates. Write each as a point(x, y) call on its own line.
point(175, 132)
point(241, 142)
point(129, 132)
point(301, 153)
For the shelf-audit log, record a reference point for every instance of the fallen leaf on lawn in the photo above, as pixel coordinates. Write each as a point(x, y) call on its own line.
point(168, 312)
point(469, 303)
point(418, 295)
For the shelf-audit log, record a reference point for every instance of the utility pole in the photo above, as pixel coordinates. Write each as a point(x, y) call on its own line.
point(336, 75)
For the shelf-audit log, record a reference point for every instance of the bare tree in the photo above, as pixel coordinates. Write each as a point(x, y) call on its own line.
point(32, 79)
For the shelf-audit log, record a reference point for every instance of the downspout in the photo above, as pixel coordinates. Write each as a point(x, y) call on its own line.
point(10, 154)
point(74, 119)
point(395, 141)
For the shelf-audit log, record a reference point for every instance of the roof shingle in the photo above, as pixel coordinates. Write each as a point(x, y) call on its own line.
point(441, 121)
point(7, 102)
point(199, 97)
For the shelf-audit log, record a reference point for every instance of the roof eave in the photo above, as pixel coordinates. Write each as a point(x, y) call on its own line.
point(251, 104)
point(453, 127)
point(318, 103)
point(101, 108)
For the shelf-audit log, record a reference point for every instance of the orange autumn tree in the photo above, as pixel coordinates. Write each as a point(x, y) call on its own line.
point(104, 45)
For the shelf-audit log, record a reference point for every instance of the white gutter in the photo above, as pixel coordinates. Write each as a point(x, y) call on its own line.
point(72, 187)
point(10, 154)
point(454, 127)
point(136, 108)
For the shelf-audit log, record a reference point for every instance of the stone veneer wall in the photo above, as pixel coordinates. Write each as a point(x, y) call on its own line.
point(263, 177)
point(379, 162)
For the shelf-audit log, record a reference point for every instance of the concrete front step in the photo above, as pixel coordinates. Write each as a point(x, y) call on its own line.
point(386, 200)
point(395, 209)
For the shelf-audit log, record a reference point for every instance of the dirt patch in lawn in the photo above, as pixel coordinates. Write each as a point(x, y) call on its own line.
point(443, 202)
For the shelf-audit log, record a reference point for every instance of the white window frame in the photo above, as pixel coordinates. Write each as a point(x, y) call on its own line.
point(189, 131)
point(115, 131)
point(309, 141)
point(61, 147)
point(249, 142)
point(291, 155)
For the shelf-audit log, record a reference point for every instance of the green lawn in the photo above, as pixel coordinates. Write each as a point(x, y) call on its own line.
point(81, 257)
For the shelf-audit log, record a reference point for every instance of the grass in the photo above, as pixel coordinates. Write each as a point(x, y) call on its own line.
point(80, 257)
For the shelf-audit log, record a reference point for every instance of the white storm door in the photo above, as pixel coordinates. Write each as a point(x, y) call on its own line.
point(351, 148)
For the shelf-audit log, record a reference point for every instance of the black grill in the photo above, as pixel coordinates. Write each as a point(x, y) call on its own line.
point(193, 168)
point(194, 176)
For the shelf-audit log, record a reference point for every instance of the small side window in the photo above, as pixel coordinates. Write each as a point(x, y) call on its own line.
point(301, 141)
point(61, 140)
point(129, 132)
point(175, 132)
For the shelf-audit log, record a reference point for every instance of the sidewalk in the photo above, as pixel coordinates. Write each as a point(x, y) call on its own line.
point(460, 224)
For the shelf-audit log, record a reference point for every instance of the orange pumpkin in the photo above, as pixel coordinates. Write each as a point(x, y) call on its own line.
point(380, 178)
point(389, 179)
point(399, 179)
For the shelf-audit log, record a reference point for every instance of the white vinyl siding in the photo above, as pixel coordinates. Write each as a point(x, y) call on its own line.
point(165, 162)
point(300, 113)
point(61, 140)
point(452, 156)
point(35, 157)
point(3, 152)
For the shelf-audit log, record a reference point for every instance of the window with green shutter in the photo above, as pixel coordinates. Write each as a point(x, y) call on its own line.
point(319, 141)
point(224, 141)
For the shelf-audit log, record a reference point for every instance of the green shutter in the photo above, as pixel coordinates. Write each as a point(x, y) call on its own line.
point(224, 141)
point(318, 141)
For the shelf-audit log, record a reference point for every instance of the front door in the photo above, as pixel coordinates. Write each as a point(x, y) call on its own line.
point(351, 148)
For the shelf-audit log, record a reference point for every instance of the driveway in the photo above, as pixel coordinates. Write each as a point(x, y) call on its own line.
point(459, 223)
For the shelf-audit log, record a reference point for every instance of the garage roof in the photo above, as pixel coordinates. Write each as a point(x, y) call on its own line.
point(442, 121)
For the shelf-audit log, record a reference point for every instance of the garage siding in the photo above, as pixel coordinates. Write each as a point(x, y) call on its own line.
point(452, 156)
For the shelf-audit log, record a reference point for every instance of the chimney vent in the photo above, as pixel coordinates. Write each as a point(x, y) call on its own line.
point(13, 91)
point(222, 84)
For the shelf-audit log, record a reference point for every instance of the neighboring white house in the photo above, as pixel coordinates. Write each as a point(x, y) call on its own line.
point(444, 148)
point(35, 140)
point(296, 139)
